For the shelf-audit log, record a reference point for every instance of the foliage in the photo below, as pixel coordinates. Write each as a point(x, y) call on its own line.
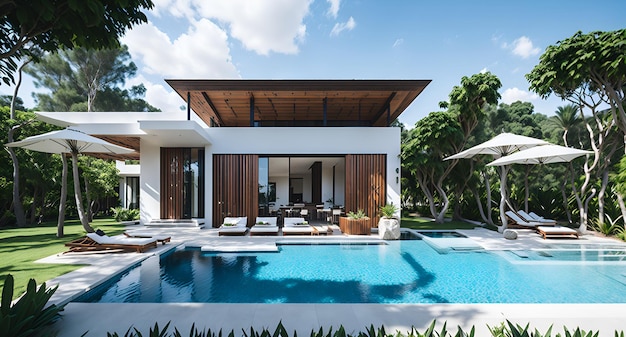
point(502, 330)
point(124, 214)
point(388, 210)
point(596, 60)
point(87, 80)
point(28, 316)
point(34, 25)
point(360, 214)
point(608, 227)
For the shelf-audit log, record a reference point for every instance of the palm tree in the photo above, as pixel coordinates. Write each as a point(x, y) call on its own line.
point(566, 118)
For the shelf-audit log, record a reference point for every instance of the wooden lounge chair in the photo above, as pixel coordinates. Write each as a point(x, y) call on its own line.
point(264, 226)
point(234, 226)
point(558, 231)
point(95, 242)
point(163, 239)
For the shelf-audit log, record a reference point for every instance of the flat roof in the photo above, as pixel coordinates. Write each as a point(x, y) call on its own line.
point(297, 102)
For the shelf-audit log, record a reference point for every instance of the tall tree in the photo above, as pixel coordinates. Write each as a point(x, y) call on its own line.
point(52, 24)
point(596, 60)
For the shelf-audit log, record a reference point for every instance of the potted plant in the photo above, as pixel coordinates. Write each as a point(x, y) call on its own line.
point(389, 225)
point(355, 223)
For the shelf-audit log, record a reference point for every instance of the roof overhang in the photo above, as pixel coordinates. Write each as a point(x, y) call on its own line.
point(236, 103)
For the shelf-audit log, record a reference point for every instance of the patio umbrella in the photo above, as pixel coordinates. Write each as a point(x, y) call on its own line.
point(545, 154)
point(72, 142)
point(500, 146)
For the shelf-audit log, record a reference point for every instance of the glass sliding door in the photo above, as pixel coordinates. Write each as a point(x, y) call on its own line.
point(264, 188)
point(132, 192)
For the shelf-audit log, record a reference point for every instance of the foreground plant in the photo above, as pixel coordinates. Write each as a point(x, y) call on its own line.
point(28, 316)
point(608, 227)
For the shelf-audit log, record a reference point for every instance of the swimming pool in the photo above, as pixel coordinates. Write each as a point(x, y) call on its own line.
point(407, 271)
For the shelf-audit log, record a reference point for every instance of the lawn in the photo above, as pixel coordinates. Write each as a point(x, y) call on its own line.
point(425, 223)
point(20, 247)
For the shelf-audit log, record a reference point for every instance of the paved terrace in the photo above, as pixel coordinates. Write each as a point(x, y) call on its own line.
point(99, 319)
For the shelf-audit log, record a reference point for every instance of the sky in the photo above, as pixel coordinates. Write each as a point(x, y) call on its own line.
point(440, 41)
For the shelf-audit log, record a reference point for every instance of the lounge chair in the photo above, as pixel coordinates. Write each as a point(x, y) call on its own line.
point(234, 226)
point(539, 218)
point(559, 231)
point(95, 242)
point(264, 226)
point(160, 238)
point(531, 218)
point(516, 221)
point(297, 226)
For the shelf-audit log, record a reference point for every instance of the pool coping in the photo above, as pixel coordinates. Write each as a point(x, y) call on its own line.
point(102, 266)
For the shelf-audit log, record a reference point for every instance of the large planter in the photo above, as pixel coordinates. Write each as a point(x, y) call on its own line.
point(355, 226)
point(389, 229)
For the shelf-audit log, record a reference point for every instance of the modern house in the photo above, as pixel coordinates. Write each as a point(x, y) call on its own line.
point(248, 147)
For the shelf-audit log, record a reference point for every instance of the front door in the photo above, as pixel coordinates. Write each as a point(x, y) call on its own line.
point(182, 183)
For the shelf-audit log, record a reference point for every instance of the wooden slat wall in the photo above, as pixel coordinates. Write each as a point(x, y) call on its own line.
point(235, 187)
point(366, 184)
point(171, 183)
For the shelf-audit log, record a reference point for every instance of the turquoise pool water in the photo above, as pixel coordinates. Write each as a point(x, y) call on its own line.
point(398, 272)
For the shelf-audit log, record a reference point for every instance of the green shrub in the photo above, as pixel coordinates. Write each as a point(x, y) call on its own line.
point(124, 214)
point(388, 211)
point(608, 227)
point(360, 214)
point(28, 315)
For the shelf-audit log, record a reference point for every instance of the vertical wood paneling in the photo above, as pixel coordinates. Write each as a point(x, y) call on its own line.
point(235, 187)
point(366, 184)
point(171, 183)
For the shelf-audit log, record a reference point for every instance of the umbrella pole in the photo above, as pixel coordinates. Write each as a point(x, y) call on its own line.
point(503, 183)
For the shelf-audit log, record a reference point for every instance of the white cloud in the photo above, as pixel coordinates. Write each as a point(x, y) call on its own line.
point(333, 10)
point(523, 47)
point(398, 42)
point(202, 52)
point(514, 94)
point(261, 26)
point(340, 27)
point(483, 70)
point(176, 8)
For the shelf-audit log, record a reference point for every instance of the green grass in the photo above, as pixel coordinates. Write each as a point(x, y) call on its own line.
point(424, 223)
point(21, 247)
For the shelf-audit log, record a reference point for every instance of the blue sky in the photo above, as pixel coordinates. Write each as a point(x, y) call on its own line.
point(346, 39)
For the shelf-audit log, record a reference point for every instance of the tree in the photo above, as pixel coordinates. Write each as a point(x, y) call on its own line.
point(596, 60)
point(566, 118)
point(52, 24)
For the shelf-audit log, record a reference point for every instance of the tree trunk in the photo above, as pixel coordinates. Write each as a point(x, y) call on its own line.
point(488, 193)
point(568, 213)
point(601, 193)
point(622, 206)
point(62, 198)
point(526, 188)
point(33, 206)
point(503, 197)
point(77, 194)
point(88, 199)
point(18, 207)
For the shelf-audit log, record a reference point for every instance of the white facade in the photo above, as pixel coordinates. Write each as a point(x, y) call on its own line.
point(155, 132)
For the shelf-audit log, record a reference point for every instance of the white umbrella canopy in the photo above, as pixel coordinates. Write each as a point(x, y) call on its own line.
point(66, 141)
point(544, 154)
point(73, 142)
point(500, 145)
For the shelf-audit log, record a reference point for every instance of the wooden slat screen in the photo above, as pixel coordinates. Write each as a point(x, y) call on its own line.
point(235, 187)
point(366, 184)
point(171, 182)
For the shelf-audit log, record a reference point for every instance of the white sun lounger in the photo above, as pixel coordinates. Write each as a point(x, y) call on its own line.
point(264, 226)
point(234, 226)
point(517, 220)
point(559, 231)
point(296, 226)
